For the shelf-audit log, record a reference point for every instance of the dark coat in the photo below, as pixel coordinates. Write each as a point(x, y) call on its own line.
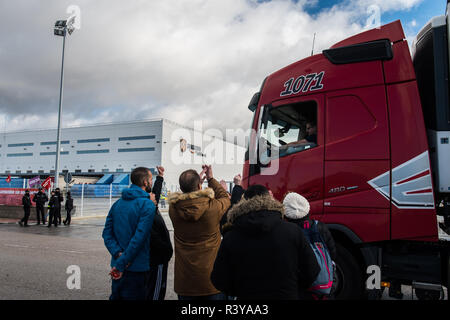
point(26, 201)
point(54, 203)
point(161, 249)
point(324, 232)
point(60, 197)
point(40, 198)
point(236, 196)
point(69, 203)
point(263, 256)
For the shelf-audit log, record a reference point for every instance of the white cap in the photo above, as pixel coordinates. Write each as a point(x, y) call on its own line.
point(295, 206)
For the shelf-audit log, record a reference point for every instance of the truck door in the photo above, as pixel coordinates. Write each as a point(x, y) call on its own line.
point(357, 166)
point(292, 129)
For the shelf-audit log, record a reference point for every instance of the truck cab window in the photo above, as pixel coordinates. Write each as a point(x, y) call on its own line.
point(290, 128)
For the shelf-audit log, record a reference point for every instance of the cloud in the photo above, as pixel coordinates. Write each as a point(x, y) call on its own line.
point(177, 59)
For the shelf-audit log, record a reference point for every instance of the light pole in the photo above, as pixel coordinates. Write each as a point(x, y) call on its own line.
point(62, 27)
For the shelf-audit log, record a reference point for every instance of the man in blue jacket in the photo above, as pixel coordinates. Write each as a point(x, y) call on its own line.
point(127, 237)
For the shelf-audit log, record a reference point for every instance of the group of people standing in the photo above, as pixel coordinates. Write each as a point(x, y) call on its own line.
point(243, 245)
point(54, 207)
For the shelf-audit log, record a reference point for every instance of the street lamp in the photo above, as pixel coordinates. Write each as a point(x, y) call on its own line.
point(62, 27)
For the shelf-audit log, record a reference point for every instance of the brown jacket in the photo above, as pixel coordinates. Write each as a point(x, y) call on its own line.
point(196, 221)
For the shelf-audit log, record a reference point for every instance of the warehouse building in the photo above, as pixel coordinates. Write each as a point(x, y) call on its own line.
point(111, 151)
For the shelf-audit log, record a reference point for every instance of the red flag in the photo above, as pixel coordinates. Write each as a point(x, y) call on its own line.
point(8, 179)
point(47, 183)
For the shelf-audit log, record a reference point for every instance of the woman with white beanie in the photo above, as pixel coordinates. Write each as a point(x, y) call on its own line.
point(296, 210)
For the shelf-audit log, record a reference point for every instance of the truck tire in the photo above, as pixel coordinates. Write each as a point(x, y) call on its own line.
point(349, 284)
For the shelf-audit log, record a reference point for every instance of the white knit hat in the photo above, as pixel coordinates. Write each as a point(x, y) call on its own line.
point(295, 206)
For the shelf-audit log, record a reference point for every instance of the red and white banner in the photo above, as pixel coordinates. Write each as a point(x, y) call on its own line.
point(13, 197)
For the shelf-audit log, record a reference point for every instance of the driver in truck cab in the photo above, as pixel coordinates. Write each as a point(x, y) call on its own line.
point(311, 136)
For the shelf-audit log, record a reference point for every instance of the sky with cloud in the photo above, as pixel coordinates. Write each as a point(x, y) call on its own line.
point(183, 60)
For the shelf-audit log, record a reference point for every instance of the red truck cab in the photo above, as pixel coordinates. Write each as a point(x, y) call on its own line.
point(345, 128)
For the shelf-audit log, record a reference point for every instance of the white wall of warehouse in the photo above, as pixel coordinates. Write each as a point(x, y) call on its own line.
point(166, 144)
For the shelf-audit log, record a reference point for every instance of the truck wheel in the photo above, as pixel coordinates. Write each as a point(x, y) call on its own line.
point(349, 284)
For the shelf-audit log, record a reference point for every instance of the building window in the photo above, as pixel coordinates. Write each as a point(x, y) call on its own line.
point(9, 155)
point(119, 170)
point(29, 171)
point(49, 143)
point(52, 171)
point(93, 140)
point(105, 170)
point(53, 153)
point(93, 151)
point(77, 171)
point(21, 144)
point(136, 138)
point(136, 149)
point(41, 171)
point(7, 172)
point(91, 170)
point(18, 171)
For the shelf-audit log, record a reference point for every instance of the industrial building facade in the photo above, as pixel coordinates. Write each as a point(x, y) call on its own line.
point(118, 148)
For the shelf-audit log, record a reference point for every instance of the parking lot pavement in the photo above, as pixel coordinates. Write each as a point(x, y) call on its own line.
point(34, 261)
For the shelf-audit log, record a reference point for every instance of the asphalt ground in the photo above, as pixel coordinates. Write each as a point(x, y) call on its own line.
point(34, 262)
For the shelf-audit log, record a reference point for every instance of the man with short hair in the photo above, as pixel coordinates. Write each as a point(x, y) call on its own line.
point(127, 237)
point(311, 133)
point(40, 198)
point(195, 215)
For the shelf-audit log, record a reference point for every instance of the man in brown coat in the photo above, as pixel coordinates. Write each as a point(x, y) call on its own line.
point(195, 215)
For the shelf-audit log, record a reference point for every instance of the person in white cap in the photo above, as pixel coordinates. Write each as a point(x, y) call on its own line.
point(296, 210)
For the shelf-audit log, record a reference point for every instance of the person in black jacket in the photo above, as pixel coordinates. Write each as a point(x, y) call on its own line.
point(26, 202)
point(53, 205)
point(263, 256)
point(297, 211)
point(161, 249)
point(58, 208)
point(236, 196)
point(40, 198)
point(68, 206)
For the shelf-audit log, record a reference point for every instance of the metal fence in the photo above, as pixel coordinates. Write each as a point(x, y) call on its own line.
point(95, 200)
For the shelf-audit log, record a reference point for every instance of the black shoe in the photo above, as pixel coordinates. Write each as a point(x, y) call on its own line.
point(21, 224)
